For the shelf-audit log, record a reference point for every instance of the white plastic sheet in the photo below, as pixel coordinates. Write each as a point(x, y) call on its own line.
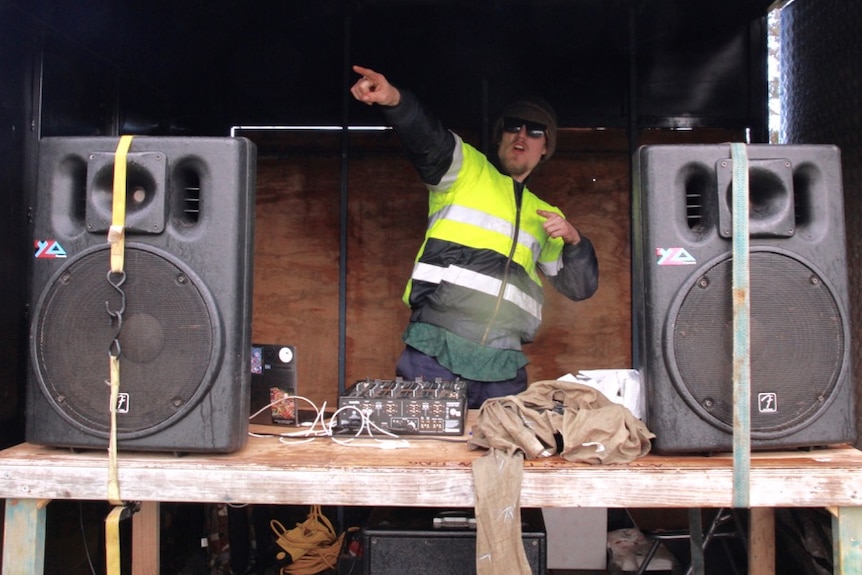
point(621, 386)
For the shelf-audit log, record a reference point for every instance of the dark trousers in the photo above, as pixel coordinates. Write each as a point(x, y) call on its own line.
point(413, 363)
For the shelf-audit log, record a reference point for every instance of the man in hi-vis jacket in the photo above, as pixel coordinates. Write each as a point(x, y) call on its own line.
point(475, 292)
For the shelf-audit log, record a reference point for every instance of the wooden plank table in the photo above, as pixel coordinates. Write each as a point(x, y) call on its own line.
point(418, 472)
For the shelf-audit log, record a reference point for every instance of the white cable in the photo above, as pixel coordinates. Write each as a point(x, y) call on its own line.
point(367, 424)
point(310, 434)
point(301, 434)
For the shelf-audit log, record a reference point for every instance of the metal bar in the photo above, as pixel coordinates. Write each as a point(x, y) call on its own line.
point(633, 139)
point(741, 330)
point(344, 214)
point(235, 130)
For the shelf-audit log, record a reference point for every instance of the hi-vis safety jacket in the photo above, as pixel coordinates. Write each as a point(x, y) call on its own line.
point(476, 273)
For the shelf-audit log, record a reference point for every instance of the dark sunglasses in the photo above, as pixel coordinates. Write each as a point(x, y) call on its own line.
point(513, 126)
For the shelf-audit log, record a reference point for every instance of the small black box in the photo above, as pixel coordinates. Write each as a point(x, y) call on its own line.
point(433, 541)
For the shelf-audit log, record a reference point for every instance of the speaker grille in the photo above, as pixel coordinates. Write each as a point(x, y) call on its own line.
point(166, 341)
point(797, 342)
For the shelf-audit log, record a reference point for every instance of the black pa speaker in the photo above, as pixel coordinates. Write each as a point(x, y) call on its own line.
point(180, 319)
point(799, 342)
point(432, 541)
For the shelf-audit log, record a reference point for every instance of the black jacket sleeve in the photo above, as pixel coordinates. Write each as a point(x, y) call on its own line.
point(579, 277)
point(429, 145)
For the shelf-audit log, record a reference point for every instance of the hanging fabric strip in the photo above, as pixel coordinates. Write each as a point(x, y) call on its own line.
point(741, 330)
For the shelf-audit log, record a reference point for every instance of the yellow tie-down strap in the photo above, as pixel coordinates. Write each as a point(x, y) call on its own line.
point(112, 541)
point(117, 239)
point(117, 231)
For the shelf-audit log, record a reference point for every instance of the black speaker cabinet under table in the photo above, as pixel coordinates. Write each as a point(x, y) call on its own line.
point(433, 541)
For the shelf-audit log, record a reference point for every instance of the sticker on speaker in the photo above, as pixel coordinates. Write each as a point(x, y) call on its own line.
point(49, 249)
point(767, 402)
point(674, 257)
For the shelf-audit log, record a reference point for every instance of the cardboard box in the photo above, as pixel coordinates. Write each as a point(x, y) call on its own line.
point(577, 537)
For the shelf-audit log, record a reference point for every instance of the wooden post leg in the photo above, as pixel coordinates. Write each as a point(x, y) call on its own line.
point(24, 537)
point(145, 539)
point(761, 541)
point(847, 540)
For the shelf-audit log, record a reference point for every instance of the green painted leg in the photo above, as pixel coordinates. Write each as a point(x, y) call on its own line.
point(24, 537)
point(847, 540)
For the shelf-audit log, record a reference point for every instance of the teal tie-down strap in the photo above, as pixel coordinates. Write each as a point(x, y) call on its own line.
point(741, 330)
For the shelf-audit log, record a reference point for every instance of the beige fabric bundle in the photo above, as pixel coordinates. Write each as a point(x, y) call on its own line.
point(572, 419)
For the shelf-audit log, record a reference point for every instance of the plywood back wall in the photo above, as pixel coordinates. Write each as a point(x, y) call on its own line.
point(296, 295)
point(296, 291)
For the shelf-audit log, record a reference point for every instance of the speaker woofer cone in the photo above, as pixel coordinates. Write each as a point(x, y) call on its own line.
point(797, 344)
point(170, 341)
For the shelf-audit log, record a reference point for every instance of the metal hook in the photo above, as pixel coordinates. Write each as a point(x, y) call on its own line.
point(117, 286)
point(114, 349)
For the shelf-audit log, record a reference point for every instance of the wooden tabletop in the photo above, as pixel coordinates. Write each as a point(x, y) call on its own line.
point(425, 471)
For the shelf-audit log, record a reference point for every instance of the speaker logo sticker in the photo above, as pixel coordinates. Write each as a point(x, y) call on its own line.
point(49, 249)
point(674, 257)
point(767, 402)
point(122, 403)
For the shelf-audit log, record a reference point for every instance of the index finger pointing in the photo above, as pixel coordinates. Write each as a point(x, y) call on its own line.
point(367, 72)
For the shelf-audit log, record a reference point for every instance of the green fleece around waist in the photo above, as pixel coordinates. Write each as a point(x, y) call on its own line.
point(464, 357)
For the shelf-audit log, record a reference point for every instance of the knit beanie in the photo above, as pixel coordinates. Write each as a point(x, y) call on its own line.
point(534, 110)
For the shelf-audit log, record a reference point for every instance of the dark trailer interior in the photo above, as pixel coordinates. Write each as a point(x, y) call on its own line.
point(339, 209)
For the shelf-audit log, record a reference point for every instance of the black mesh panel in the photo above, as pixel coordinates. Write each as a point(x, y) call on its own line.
point(796, 342)
point(166, 341)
